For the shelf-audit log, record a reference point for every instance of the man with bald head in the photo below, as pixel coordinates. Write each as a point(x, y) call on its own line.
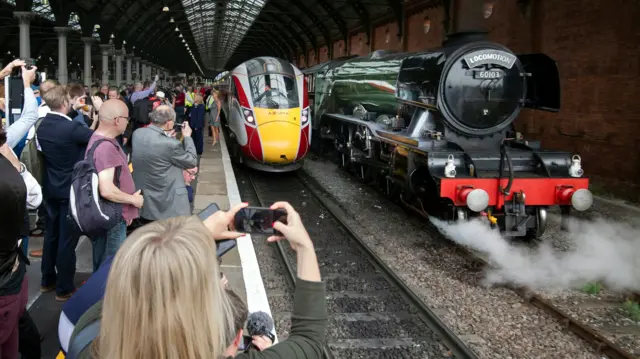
point(158, 160)
point(115, 182)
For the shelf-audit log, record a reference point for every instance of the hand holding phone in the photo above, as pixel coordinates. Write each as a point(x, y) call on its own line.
point(257, 220)
point(222, 246)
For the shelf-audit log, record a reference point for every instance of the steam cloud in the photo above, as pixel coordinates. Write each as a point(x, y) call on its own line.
point(600, 251)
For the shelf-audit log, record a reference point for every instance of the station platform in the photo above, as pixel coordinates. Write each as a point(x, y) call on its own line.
point(215, 183)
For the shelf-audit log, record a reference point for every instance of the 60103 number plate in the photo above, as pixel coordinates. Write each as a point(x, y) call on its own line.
point(487, 74)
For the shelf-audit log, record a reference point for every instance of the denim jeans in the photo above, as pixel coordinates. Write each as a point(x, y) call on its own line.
point(107, 245)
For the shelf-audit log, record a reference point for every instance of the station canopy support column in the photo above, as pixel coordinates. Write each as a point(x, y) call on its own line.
point(24, 19)
point(88, 41)
point(63, 71)
point(129, 78)
point(105, 49)
point(119, 54)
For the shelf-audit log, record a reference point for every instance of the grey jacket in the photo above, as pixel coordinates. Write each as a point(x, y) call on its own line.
point(158, 161)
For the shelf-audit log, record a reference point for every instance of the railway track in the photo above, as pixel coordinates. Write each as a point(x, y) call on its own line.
point(372, 313)
point(596, 338)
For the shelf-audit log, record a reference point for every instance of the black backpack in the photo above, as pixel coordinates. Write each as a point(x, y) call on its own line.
point(93, 214)
point(141, 110)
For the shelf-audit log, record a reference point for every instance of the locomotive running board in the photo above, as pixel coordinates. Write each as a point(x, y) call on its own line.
point(395, 138)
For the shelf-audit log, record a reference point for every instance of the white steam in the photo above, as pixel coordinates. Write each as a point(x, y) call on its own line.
point(600, 251)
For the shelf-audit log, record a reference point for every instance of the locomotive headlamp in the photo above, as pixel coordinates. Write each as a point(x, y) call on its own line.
point(476, 199)
point(581, 199)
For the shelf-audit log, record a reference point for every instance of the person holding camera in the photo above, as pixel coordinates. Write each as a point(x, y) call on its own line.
point(164, 286)
point(19, 129)
point(158, 160)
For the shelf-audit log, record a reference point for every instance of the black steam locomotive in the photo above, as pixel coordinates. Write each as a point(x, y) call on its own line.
point(435, 131)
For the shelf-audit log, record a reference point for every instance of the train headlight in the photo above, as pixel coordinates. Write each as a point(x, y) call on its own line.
point(476, 199)
point(248, 115)
point(581, 199)
point(304, 116)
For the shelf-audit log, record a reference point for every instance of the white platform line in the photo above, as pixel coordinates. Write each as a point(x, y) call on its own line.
point(256, 294)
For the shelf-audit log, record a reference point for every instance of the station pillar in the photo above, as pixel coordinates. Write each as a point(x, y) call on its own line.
point(138, 74)
point(63, 69)
point(24, 19)
point(88, 41)
point(129, 58)
point(119, 54)
point(105, 49)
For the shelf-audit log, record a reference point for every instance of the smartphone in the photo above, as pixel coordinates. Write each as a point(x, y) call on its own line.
point(222, 247)
point(178, 127)
point(257, 220)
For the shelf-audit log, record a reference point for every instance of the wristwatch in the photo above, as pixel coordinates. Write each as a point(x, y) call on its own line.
point(23, 169)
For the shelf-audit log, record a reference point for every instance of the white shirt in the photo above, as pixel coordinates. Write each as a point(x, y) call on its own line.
point(34, 191)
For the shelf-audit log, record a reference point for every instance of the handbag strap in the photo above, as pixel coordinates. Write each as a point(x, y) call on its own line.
point(83, 339)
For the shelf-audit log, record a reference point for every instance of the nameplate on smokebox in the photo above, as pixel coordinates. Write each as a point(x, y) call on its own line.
point(490, 75)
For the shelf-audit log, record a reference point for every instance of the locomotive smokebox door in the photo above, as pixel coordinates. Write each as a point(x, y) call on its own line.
point(482, 90)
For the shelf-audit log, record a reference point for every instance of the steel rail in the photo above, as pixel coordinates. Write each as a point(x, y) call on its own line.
point(451, 340)
point(596, 340)
point(291, 275)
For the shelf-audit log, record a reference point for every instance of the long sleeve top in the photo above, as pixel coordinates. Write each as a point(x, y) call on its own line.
point(142, 94)
point(196, 117)
point(34, 190)
point(28, 118)
point(308, 324)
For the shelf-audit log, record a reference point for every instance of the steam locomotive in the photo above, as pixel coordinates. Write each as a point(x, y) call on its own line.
point(435, 131)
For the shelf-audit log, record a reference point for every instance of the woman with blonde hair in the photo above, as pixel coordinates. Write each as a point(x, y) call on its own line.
point(164, 299)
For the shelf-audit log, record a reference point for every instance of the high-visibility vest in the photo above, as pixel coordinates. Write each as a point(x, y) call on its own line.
point(189, 99)
point(210, 102)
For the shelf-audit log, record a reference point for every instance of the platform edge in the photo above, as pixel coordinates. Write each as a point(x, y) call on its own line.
point(256, 294)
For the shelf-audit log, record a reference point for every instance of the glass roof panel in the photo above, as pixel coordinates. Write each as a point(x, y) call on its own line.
point(74, 22)
point(219, 30)
point(42, 8)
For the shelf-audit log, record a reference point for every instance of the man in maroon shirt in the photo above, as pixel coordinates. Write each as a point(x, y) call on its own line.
point(114, 117)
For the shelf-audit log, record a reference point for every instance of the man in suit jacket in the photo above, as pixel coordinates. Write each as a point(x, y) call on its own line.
point(63, 142)
point(158, 160)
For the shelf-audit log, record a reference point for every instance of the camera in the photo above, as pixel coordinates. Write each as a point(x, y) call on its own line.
point(17, 72)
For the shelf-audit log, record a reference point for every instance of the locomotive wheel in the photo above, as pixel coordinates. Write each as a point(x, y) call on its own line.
point(534, 234)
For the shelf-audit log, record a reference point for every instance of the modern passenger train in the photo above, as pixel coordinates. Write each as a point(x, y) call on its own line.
point(267, 115)
point(434, 130)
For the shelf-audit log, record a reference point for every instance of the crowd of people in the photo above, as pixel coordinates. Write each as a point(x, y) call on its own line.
point(156, 290)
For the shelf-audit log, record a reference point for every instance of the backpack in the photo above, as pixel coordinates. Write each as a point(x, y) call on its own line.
point(93, 214)
point(142, 108)
point(83, 339)
point(32, 158)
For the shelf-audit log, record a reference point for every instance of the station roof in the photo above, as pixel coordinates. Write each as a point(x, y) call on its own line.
point(202, 36)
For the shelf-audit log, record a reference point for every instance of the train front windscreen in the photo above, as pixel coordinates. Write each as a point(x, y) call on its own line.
point(274, 91)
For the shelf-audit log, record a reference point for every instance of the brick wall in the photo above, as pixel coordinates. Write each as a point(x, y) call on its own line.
point(339, 49)
point(418, 39)
point(324, 54)
point(596, 44)
point(358, 44)
point(385, 37)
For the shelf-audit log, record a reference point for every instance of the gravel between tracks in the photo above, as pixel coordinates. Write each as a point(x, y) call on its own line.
point(494, 322)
